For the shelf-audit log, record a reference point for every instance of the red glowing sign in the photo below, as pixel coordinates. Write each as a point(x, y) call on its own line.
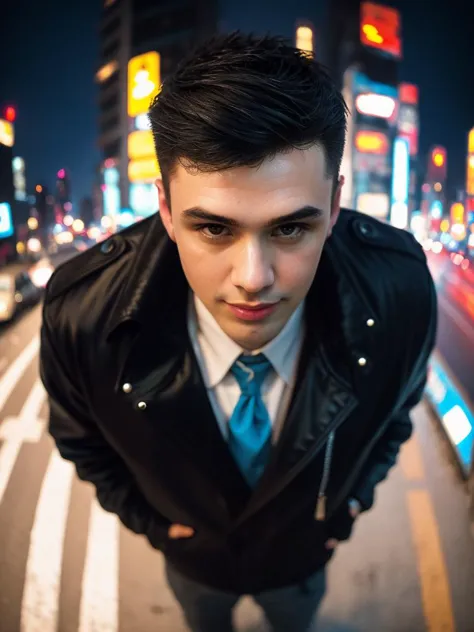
point(61, 173)
point(380, 28)
point(10, 114)
point(408, 93)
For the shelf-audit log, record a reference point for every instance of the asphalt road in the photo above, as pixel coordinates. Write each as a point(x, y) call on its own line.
point(455, 319)
point(67, 566)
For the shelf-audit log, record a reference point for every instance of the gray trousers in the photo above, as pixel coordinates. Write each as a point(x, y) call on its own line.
point(289, 609)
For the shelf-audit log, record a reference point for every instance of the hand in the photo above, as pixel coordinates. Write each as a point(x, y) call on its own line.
point(180, 531)
point(354, 511)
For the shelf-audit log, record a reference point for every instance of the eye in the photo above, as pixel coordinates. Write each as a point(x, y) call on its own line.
point(213, 231)
point(291, 231)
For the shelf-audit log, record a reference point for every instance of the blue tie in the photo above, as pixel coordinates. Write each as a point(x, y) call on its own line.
point(250, 428)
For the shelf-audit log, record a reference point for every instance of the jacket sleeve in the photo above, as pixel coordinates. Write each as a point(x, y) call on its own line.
point(79, 439)
point(400, 428)
point(385, 452)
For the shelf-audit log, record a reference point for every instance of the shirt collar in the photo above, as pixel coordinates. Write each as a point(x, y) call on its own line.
point(219, 352)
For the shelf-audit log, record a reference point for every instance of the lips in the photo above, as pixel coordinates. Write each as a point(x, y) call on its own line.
point(253, 312)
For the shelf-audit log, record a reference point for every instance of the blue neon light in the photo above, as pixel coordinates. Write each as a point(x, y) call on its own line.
point(6, 222)
point(454, 413)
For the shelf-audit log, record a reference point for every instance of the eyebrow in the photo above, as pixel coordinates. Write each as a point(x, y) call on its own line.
point(305, 212)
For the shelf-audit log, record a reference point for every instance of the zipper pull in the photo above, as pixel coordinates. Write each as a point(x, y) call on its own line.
point(320, 513)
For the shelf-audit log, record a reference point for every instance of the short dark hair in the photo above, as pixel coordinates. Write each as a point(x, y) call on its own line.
point(239, 99)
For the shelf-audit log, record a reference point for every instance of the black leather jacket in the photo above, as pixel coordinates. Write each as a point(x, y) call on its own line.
point(129, 408)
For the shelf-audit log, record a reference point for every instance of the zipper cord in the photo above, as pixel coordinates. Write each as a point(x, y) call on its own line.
point(320, 512)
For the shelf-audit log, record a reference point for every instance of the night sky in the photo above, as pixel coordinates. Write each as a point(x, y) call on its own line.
point(51, 50)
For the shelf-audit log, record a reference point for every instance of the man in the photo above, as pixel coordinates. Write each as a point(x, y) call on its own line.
point(235, 374)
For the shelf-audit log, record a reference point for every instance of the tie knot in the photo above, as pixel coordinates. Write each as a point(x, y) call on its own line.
point(250, 372)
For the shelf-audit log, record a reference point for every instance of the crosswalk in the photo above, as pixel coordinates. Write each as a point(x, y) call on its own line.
point(41, 595)
point(68, 566)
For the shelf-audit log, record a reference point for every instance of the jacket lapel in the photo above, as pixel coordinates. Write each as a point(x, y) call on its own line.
point(167, 377)
point(320, 404)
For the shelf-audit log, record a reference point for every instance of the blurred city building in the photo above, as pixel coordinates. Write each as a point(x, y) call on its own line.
point(141, 41)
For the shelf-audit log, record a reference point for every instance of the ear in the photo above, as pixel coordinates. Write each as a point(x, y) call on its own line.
point(165, 211)
point(336, 205)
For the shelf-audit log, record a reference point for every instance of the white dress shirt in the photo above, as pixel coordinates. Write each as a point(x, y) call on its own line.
point(216, 353)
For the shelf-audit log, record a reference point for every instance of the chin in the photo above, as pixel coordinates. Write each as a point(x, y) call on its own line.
point(252, 336)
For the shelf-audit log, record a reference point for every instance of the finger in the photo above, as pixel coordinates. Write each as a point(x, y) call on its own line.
point(177, 531)
point(354, 512)
point(332, 543)
point(187, 532)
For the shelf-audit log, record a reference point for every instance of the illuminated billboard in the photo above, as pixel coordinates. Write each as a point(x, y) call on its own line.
point(6, 222)
point(379, 105)
point(371, 142)
point(140, 145)
point(374, 204)
point(7, 133)
point(408, 93)
point(144, 199)
point(19, 180)
point(408, 119)
point(144, 82)
point(400, 183)
point(457, 213)
point(143, 170)
point(471, 141)
point(470, 175)
point(380, 29)
point(305, 39)
point(470, 163)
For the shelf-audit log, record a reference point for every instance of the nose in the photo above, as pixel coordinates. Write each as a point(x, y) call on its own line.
point(253, 269)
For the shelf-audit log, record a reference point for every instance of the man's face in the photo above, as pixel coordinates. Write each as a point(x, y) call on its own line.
point(246, 254)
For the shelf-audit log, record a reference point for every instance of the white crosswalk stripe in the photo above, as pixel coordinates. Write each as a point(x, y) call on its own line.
point(99, 603)
point(40, 605)
point(14, 431)
point(15, 371)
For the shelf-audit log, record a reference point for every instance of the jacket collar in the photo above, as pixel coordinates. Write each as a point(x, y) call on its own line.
point(337, 311)
point(155, 270)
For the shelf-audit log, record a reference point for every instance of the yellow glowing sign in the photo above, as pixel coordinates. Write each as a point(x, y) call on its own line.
point(438, 158)
point(438, 187)
point(372, 34)
point(141, 145)
point(470, 175)
point(7, 133)
point(106, 71)
point(304, 39)
point(144, 170)
point(444, 226)
point(457, 213)
point(470, 143)
point(144, 82)
point(369, 142)
point(380, 28)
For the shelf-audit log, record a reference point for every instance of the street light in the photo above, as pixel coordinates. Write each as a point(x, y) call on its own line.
point(32, 223)
point(78, 226)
